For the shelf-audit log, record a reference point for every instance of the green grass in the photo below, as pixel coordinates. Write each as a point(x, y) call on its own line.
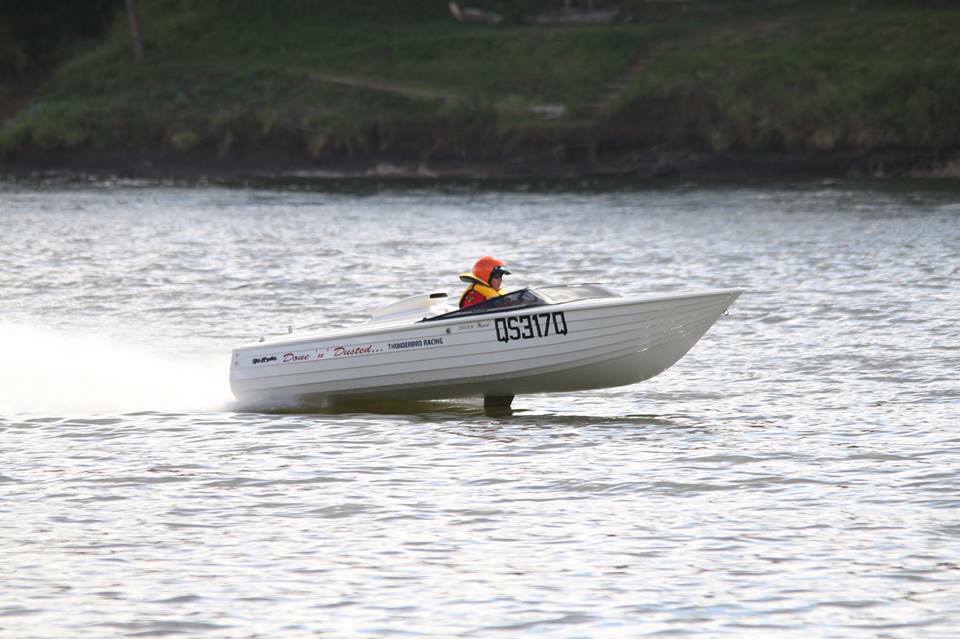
point(829, 79)
point(225, 76)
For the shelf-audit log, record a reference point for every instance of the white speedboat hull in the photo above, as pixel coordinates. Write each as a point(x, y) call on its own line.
point(580, 345)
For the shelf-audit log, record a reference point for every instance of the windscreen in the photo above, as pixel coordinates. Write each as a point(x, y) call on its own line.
point(573, 292)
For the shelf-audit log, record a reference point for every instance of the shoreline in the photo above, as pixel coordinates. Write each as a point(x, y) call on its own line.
point(759, 90)
point(641, 165)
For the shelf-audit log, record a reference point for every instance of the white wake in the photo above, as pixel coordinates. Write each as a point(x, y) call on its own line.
point(61, 373)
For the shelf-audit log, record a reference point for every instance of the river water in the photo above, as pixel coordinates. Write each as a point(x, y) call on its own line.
point(796, 474)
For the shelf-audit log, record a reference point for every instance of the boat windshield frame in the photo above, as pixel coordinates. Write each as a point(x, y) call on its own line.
point(530, 298)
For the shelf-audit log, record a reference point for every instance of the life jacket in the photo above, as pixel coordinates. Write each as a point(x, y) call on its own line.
point(478, 285)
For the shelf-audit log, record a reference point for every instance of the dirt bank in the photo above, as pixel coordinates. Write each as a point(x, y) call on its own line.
point(642, 164)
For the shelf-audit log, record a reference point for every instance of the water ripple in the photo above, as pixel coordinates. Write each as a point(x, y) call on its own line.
point(796, 474)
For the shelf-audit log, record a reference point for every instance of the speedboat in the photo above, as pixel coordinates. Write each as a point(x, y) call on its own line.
point(548, 339)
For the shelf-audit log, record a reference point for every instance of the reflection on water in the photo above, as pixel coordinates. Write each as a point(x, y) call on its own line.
point(464, 407)
point(796, 471)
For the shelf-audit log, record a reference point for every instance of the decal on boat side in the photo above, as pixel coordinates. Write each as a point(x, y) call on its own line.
point(287, 357)
point(472, 325)
point(530, 326)
point(415, 343)
point(343, 351)
point(336, 352)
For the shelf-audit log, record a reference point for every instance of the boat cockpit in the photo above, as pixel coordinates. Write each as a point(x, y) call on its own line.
point(530, 298)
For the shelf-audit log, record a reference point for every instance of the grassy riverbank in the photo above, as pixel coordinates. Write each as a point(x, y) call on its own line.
point(405, 82)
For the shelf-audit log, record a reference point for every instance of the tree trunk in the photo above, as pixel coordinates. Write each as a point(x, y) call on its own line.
point(135, 33)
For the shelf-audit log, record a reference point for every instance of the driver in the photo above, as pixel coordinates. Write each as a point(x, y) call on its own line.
point(484, 281)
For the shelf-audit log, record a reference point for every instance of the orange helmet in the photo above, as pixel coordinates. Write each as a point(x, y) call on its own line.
point(488, 267)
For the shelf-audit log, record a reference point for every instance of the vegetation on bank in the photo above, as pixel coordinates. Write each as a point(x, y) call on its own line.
point(826, 78)
point(341, 78)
